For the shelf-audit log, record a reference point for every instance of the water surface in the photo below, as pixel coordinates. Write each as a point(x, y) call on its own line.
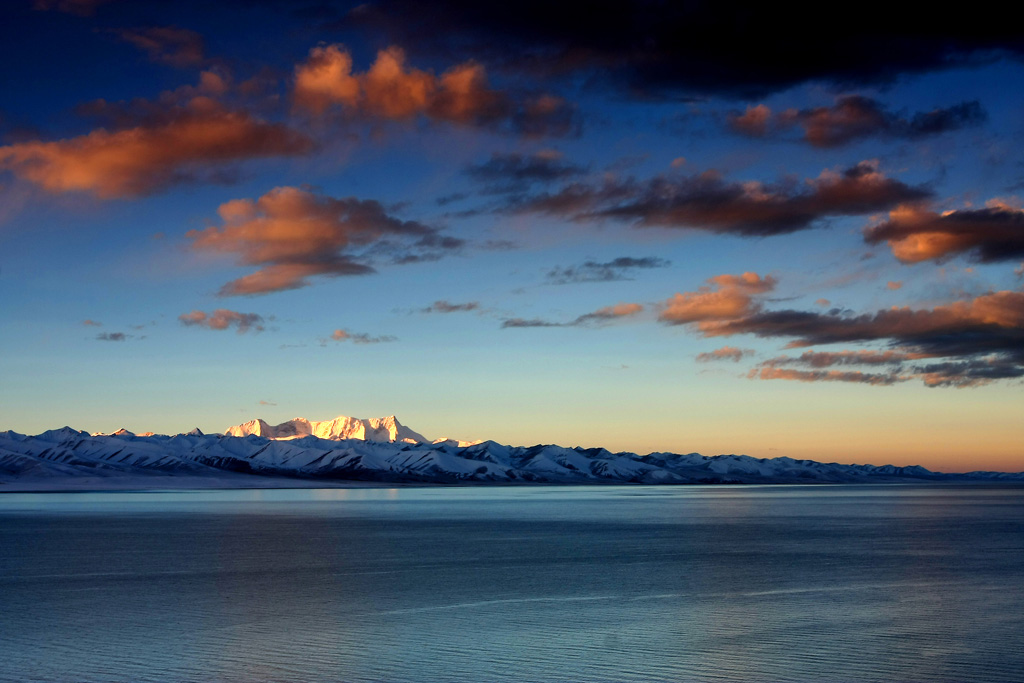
point(855, 583)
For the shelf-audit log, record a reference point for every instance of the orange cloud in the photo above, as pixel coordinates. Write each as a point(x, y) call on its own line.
point(609, 313)
point(876, 379)
point(754, 121)
point(390, 89)
point(360, 337)
point(915, 233)
point(729, 297)
point(139, 160)
point(222, 319)
point(894, 284)
point(725, 353)
point(293, 234)
point(855, 117)
point(968, 342)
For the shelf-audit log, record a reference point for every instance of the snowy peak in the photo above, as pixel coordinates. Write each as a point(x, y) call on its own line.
point(379, 429)
point(257, 427)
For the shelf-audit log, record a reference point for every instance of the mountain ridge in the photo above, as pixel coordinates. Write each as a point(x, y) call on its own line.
point(60, 457)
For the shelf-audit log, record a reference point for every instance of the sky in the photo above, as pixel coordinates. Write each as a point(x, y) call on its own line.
point(646, 226)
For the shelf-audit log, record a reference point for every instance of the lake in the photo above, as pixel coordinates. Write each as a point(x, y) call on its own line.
point(616, 583)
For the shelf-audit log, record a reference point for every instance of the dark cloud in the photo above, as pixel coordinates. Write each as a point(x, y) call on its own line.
point(824, 359)
point(171, 45)
point(652, 48)
point(984, 336)
point(519, 169)
point(608, 271)
point(451, 198)
point(222, 319)
point(532, 322)
point(988, 235)
point(448, 307)
point(854, 118)
point(291, 235)
point(112, 336)
point(83, 8)
point(945, 119)
point(968, 342)
point(708, 202)
point(601, 315)
point(974, 372)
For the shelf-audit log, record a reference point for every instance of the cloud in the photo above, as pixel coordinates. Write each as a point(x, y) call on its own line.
point(360, 337)
point(447, 307)
point(651, 49)
point(390, 89)
point(894, 285)
point(730, 353)
point(727, 297)
point(266, 403)
point(83, 8)
point(960, 374)
point(967, 342)
point(609, 313)
point(142, 159)
point(519, 170)
point(608, 271)
point(292, 235)
point(990, 322)
point(988, 235)
point(178, 47)
point(754, 121)
point(601, 315)
point(531, 322)
point(222, 319)
point(92, 323)
point(824, 359)
point(708, 202)
point(112, 336)
point(853, 118)
point(876, 379)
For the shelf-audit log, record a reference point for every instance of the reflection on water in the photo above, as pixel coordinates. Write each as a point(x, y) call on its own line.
point(856, 583)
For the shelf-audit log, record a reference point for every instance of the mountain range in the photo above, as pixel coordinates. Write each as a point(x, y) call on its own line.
point(301, 452)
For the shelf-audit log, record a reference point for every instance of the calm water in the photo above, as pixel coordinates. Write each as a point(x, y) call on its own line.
point(852, 583)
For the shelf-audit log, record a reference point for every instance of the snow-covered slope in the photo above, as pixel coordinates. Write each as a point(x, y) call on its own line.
point(67, 455)
point(385, 429)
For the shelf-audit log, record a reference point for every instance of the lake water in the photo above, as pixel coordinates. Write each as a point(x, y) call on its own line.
point(780, 583)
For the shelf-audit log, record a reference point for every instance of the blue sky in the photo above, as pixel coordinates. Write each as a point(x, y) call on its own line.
point(628, 225)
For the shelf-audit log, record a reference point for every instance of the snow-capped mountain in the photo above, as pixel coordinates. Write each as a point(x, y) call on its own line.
point(63, 456)
point(382, 429)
